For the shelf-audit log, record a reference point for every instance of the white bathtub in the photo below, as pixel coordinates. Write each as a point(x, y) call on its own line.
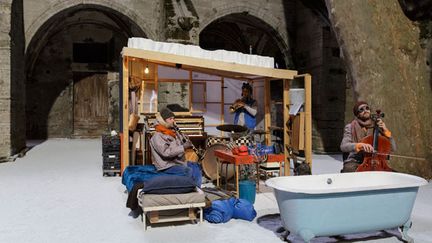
point(336, 204)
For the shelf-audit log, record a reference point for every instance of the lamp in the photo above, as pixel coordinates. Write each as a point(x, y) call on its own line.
point(146, 70)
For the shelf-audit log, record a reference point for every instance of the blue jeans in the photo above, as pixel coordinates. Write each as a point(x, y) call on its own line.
point(192, 170)
point(178, 170)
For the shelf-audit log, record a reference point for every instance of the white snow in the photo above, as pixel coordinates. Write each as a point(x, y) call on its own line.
point(57, 193)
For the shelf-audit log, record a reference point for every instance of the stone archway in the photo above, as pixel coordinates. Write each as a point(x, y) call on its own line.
point(115, 6)
point(71, 63)
point(276, 27)
point(245, 33)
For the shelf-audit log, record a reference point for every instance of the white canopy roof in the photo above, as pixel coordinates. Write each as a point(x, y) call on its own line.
point(198, 52)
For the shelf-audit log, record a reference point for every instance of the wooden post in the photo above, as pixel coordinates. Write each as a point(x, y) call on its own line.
point(286, 107)
point(190, 91)
point(125, 135)
point(267, 116)
point(141, 107)
point(222, 102)
point(156, 84)
point(308, 119)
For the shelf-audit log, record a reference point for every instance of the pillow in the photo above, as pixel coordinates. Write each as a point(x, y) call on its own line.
point(169, 184)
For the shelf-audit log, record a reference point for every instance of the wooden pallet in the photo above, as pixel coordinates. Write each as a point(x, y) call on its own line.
point(154, 213)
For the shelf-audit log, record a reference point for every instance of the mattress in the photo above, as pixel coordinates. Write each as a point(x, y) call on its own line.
point(156, 200)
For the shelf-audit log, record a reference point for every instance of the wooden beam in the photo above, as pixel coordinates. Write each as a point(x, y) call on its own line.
point(156, 80)
point(308, 117)
point(190, 91)
point(141, 106)
point(222, 103)
point(287, 143)
point(125, 135)
point(267, 110)
point(235, 68)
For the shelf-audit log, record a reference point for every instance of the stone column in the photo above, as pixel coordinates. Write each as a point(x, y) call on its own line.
point(12, 92)
point(388, 68)
point(113, 99)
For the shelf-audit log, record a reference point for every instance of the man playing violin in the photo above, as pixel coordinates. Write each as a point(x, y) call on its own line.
point(355, 131)
point(245, 109)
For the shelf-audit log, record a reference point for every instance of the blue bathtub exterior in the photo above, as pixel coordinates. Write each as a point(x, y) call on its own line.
point(310, 215)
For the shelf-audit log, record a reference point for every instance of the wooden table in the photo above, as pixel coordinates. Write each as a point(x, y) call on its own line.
point(226, 157)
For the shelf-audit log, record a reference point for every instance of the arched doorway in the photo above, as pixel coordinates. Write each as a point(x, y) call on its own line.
point(72, 66)
point(245, 33)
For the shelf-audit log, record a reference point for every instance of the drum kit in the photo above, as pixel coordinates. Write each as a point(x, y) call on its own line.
point(238, 136)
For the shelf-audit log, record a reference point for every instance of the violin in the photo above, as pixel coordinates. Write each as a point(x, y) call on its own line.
point(377, 160)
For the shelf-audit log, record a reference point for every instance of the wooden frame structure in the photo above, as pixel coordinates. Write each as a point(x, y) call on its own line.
point(221, 69)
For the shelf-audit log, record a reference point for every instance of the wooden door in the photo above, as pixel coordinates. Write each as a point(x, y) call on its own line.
point(90, 104)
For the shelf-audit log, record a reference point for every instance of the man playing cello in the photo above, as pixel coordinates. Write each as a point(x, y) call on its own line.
point(355, 131)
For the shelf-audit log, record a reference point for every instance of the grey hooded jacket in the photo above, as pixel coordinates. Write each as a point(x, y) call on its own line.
point(166, 151)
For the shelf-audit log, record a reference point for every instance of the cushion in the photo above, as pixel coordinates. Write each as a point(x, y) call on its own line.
point(169, 184)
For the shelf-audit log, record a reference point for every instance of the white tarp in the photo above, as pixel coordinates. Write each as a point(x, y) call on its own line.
point(196, 51)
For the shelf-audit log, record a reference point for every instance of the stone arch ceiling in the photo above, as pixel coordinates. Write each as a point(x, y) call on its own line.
point(94, 15)
point(113, 6)
point(257, 10)
point(239, 31)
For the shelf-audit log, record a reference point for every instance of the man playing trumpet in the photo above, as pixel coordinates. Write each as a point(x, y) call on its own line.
point(245, 109)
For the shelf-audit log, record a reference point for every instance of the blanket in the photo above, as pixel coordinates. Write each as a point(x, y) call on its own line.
point(134, 174)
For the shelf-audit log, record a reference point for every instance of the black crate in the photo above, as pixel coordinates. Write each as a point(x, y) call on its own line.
point(111, 166)
point(111, 172)
point(111, 157)
point(110, 143)
point(111, 163)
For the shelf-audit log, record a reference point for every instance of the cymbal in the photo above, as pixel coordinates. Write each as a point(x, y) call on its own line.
point(259, 132)
point(231, 128)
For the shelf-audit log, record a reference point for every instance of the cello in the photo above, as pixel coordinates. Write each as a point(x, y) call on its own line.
point(377, 160)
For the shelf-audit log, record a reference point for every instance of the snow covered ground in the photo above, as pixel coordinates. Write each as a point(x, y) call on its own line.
point(57, 193)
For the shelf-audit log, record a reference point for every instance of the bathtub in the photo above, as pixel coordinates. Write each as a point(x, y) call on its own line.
point(337, 204)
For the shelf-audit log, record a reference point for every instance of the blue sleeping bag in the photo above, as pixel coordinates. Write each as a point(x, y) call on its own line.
point(243, 209)
point(222, 211)
point(141, 173)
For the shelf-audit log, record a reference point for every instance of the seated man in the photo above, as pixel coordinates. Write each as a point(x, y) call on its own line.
point(355, 131)
point(168, 146)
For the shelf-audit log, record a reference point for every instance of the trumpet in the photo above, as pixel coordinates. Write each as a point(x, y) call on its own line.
point(237, 105)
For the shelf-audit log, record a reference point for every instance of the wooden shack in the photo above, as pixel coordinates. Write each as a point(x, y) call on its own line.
point(140, 72)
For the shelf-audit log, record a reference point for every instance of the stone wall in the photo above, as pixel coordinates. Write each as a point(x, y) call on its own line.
point(388, 68)
point(113, 98)
point(5, 78)
point(12, 97)
point(317, 52)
